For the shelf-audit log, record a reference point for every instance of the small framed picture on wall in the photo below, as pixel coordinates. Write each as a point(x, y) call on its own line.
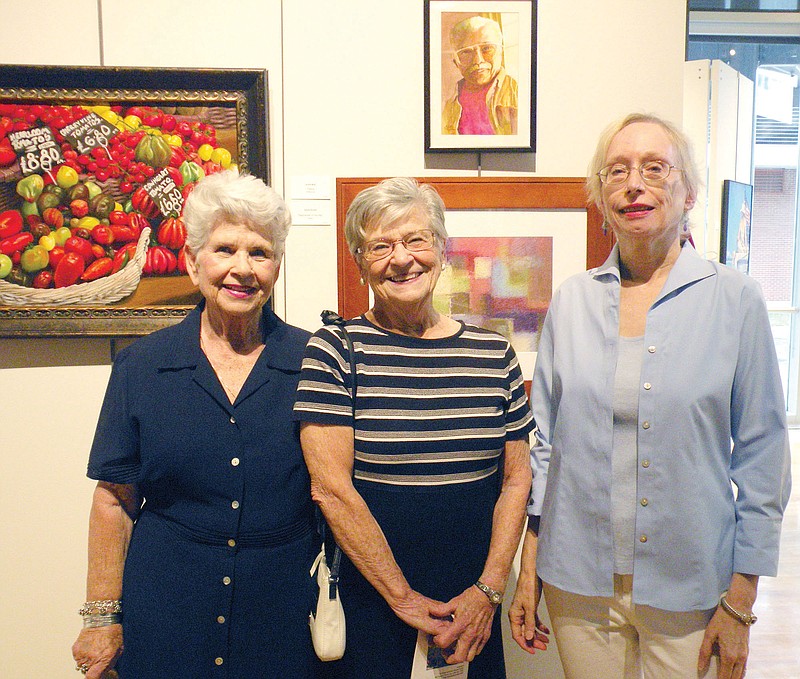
point(480, 75)
point(737, 210)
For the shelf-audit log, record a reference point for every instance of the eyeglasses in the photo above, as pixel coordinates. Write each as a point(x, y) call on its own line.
point(651, 172)
point(466, 55)
point(416, 241)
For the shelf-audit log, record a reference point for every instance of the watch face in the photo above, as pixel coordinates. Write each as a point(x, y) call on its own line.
point(493, 596)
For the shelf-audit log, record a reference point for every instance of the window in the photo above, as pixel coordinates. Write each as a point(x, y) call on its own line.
point(744, 5)
point(765, 48)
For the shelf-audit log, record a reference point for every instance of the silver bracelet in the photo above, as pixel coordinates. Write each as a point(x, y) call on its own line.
point(101, 607)
point(746, 619)
point(103, 620)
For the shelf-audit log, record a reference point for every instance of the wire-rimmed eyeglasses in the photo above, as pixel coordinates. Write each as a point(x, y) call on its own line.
point(651, 172)
point(416, 241)
point(487, 50)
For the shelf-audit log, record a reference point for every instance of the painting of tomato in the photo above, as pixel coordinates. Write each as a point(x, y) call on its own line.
point(100, 158)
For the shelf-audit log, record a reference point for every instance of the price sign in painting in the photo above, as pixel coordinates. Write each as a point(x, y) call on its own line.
point(166, 194)
point(37, 149)
point(89, 132)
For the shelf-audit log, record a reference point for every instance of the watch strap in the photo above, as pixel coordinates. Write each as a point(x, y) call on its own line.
point(495, 596)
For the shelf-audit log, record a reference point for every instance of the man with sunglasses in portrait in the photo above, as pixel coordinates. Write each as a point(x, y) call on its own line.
point(485, 100)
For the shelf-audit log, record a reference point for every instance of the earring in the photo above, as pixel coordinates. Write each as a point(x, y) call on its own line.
point(362, 281)
point(604, 226)
point(686, 229)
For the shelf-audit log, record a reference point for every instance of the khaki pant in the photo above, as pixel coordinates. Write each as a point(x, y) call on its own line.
point(612, 638)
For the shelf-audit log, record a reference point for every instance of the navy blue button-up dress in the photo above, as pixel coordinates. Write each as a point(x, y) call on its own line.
point(216, 580)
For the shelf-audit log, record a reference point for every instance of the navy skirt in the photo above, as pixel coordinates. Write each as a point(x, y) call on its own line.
point(440, 539)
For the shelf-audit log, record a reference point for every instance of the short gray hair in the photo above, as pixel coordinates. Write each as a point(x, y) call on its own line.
point(471, 25)
point(240, 198)
point(683, 147)
point(390, 201)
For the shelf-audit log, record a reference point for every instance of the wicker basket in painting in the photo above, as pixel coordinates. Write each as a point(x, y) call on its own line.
point(101, 291)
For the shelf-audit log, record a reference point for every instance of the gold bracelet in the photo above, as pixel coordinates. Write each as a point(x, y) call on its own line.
point(746, 619)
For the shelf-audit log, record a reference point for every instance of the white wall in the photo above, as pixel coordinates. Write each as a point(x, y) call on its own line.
point(346, 99)
point(718, 110)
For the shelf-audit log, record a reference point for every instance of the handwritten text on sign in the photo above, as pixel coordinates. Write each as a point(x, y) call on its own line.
point(89, 132)
point(165, 193)
point(37, 149)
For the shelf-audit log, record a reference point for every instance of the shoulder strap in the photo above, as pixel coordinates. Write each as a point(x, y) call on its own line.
point(332, 318)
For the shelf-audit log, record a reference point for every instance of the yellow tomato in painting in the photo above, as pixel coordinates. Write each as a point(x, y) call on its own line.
point(66, 177)
point(222, 156)
point(205, 151)
point(88, 222)
point(109, 116)
point(133, 122)
point(48, 242)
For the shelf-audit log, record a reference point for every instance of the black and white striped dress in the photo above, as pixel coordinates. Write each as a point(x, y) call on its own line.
point(432, 418)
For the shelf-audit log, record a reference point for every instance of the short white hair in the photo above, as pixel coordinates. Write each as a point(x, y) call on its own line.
point(240, 198)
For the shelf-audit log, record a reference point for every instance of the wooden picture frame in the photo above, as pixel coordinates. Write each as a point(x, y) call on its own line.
point(492, 193)
point(480, 75)
point(226, 109)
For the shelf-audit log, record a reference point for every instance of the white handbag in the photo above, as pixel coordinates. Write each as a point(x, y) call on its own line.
point(327, 623)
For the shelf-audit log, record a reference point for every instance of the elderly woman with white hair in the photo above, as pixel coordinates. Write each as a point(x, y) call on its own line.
point(423, 475)
point(201, 532)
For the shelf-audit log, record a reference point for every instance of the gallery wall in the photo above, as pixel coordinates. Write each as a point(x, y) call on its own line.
point(345, 100)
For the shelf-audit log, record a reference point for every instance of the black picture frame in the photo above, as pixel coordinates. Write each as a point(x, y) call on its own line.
point(237, 98)
point(735, 227)
point(512, 94)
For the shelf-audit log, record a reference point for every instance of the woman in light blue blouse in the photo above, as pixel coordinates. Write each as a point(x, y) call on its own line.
point(656, 388)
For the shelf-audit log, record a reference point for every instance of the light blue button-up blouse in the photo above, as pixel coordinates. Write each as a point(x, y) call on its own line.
point(711, 414)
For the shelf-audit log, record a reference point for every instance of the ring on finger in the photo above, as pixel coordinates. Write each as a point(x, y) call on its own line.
point(83, 668)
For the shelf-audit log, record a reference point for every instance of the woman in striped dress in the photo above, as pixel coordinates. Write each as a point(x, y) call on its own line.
point(425, 481)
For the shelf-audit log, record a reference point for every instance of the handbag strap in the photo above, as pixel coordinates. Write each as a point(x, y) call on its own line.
point(332, 318)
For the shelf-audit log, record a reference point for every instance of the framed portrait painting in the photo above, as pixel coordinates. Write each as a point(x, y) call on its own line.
point(95, 165)
point(737, 209)
point(480, 75)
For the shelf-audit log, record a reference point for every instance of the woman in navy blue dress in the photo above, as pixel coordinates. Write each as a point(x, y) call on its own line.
point(201, 532)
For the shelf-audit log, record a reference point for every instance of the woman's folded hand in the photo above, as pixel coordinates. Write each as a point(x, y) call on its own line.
point(472, 614)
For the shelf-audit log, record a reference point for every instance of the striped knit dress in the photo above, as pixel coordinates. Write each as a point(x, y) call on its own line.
point(432, 418)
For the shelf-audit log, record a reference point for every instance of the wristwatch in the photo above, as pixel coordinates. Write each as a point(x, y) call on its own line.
point(494, 596)
point(746, 619)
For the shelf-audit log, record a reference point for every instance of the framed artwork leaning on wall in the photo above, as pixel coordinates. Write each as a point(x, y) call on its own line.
point(737, 210)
